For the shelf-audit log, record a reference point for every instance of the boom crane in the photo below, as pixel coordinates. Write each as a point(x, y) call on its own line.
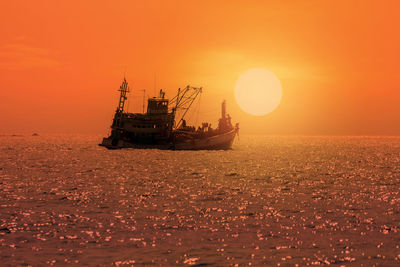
point(183, 101)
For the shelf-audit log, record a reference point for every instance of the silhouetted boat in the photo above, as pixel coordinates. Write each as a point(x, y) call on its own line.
point(157, 128)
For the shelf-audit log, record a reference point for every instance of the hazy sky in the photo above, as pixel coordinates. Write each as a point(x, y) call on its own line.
point(61, 62)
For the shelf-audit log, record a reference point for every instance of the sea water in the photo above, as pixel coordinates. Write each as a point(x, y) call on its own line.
point(270, 200)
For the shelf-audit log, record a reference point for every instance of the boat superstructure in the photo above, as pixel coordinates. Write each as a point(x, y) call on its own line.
point(160, 127)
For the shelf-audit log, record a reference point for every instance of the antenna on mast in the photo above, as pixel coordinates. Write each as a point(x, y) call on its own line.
point(155, 83)
point(144, 96)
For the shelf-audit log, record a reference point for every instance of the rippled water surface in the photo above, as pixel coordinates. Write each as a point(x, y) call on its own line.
point(269, 201)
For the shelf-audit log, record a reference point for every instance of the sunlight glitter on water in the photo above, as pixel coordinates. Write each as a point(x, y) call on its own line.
point(270, 200)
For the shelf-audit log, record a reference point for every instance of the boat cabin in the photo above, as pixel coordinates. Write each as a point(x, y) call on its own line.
point(157, 106)
point(149, 127)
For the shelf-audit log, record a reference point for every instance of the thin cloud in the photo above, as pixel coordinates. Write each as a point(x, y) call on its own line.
point(16, 56)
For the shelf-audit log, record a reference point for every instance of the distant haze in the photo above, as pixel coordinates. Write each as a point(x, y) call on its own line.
point(61, 62)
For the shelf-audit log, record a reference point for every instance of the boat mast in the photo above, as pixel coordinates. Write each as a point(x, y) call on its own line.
point(124, 89)
point(223, 109)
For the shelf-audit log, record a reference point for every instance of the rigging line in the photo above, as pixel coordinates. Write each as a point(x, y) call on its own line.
point(188, 99)
point(195, 111)
point(188, 92)
point(183, 101)
point(198, 110)
point(186, 110)
point(187, 88)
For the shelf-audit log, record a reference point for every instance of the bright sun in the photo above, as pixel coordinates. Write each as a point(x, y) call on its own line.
point(258, 91)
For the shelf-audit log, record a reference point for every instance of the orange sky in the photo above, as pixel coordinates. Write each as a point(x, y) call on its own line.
point(61, 62)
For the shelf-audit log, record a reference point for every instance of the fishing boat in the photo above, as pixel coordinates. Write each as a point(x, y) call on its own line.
point(161, 128)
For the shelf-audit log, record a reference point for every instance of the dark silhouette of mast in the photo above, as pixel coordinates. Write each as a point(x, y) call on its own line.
point(223, 110)
point(124, 89)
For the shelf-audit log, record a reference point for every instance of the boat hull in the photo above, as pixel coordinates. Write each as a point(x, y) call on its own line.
point(217, 142)
point(222, 141)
